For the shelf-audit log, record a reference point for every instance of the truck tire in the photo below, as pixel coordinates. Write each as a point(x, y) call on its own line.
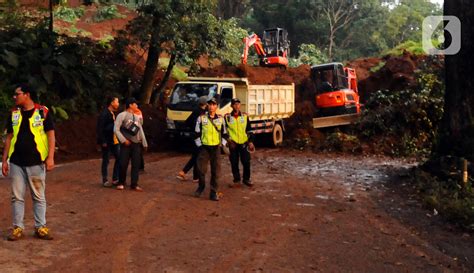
point(277, 135)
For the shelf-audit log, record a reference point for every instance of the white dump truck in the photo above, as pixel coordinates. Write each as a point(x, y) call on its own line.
point(266, 105)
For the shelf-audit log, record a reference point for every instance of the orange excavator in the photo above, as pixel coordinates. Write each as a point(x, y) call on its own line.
point(272, 49)
point(337, 95)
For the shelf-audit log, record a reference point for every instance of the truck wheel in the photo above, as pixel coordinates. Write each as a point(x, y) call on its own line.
point(277, 135)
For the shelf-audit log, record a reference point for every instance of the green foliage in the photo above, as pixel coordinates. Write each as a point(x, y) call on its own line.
point(308, 54)
point(341, 142)
point(415, 48)
point(453, 201)
point(68, 14)
point(374, 25)
point(232, 42)
point(183, 29)
point(105, 42)
point(107, 13)
point(377, 67)
point(59, 113)
point(405, 122)
point(73, 31)
point(71, 72)
point(177, 73)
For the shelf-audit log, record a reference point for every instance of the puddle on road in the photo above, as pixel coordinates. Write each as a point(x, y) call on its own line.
point(348, 170)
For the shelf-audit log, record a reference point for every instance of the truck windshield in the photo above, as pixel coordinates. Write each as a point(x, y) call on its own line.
point(185, 96)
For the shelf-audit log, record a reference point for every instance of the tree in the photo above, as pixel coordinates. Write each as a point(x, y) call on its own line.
point(339, 14)
point(178, 28)
point(404, 21)
point(346, 28)
point(232, 8)
point(457, 126)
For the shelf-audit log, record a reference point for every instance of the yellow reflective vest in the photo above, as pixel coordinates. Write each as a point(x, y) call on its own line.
point(36, 128)
point(236, 128)
point(211, 135)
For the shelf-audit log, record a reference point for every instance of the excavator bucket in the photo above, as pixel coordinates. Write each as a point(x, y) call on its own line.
point(333, 121)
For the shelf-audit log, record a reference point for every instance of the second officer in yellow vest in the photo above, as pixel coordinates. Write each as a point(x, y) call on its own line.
point(240, 142)
point(210, 134)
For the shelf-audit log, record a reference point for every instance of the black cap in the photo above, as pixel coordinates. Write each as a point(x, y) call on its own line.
point(212, 100)
point(129, 101)
point(234, 100)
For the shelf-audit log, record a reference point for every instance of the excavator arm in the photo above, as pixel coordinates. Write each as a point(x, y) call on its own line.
point(253, 40)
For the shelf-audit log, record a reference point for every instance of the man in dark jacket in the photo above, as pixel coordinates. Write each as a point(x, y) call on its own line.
point(191, 123)
point(108, 141)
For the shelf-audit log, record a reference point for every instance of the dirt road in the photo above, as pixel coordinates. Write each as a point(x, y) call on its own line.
point(307, 213)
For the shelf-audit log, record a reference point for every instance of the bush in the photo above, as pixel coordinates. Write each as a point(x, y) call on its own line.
point(338, 141)
point(73, 73)
point(68, 14)
point(308, 54)
point(107, 13)
point(415, 48)
point(404, 123)
point(453, 201)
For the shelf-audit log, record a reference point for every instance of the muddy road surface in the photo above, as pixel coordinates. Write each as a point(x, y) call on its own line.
point(306, 213)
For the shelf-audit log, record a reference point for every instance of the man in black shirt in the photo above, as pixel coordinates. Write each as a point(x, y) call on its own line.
point(30, 147)
point(108, 140)
point(191, 123)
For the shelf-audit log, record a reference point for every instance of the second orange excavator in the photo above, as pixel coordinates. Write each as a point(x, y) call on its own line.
point(272, 49)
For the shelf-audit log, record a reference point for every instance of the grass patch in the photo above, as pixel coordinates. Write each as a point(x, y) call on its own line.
point(415, 48)
point(107, 13)
point(378, 67)
point(453, 201)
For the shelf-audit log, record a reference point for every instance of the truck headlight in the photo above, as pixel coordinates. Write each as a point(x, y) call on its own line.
point(170, 124)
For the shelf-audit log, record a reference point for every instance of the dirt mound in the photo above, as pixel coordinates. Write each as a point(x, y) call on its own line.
point(261, 75)
point(363, 66)
point(96, 30)
point(76, 139)
point(393, 73)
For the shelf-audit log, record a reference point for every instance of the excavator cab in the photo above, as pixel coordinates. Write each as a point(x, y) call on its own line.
point(336, 89)
point(272, 49)
point(275, 42)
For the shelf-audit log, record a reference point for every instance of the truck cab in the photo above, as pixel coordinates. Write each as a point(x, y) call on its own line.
point(184, 99)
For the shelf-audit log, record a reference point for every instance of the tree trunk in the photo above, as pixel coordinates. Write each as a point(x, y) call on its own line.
point(164, 81)
point(456, 133)
point(51, 28)
point(331, 44)
point(151, 65)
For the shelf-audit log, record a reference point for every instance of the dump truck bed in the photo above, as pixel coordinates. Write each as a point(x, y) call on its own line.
point(261, 102)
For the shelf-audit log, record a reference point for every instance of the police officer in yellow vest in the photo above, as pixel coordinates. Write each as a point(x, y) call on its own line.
point(30, 146)
point(240, 142)
point(210, 134)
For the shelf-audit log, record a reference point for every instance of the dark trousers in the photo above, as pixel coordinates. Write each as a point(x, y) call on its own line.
point(130, 153)
point(208, 154)
point(142, 161)
point(240, 151)
point(192, 163)
point(106, 151)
